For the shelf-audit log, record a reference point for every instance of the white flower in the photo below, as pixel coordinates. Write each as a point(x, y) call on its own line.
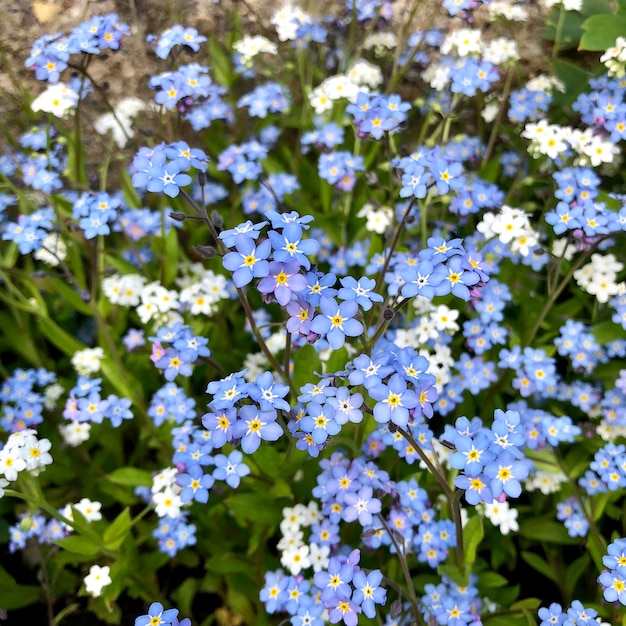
point(546, 482)
point(51, 394)
point(36, 454)
point(123, 290)
point(568, 5)
point(319, 556)
point(294, 516)
point(381, 42)
point(75, 433)
point(165, 479)
point(58, 99)
point(167, 502)
point(292, 537)
point(600, 150)
point(514, 13)
point(254, 364)
point(11, 462)
point(287, 20)
point(378, 219)
point(465, 41)
point(563, 248)
point(501, 50)
point(490, 111)
point(90, 509)
point(249, 47)
point(363, 73)
point(87, 362)
point(437, 76)
point(445, 318)
point(97, 579)
point(52, 251)
point(502, 516)
point(295, 559)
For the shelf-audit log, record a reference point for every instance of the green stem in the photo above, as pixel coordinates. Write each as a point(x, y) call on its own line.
point(559, 32)
point(405, 570)
point(381, 276)
point(552, 297)
point(452, 497)
point(498, 121)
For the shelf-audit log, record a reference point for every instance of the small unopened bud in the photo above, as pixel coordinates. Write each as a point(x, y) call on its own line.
point(207, 252)
point(201, 178)
point(396, 609)
point(178, 216)
point(217, 219)
point(371, 179)
point(409, 219)
point(85, 296)
point(388, 314)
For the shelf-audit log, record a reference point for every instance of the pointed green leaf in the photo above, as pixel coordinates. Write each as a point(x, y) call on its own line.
point(131, 477)
point(473, 534)
point(539, 564)
point(78, 544)
point(601, 31)
point(117, 532)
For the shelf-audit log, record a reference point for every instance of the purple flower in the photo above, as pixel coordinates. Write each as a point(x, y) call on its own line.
point(283, 279)
point(361, 505)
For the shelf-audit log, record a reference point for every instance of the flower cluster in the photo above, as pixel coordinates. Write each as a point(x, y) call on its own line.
point(50, 54)
point(185, 349)
point(162, 169)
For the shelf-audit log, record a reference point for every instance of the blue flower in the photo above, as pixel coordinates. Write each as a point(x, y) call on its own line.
point(253, 425)
point(230, 468)
point(394, 401)
point(359, 290)
point(505, 473)
point(336, 321)
point(289, 245)
point(195, 484)
point(157, 616)
point(249, 261)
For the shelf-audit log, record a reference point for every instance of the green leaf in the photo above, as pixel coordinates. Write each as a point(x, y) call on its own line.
point(573, 77)
point(602, 31)
point(337, 361)
point(526, 603)
point(185, 594)
point(117, 532)
point(546, 530)
point(473, 534)
point(79, 545)
point(539, 564)
point(607, 331)
point(131, 477)
point(220, 63)
point(228, 564)
point(305, 361)
point(14, 596)
point(254, 507)
point(490, 580)
point(575, 571)
point(453, 573)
